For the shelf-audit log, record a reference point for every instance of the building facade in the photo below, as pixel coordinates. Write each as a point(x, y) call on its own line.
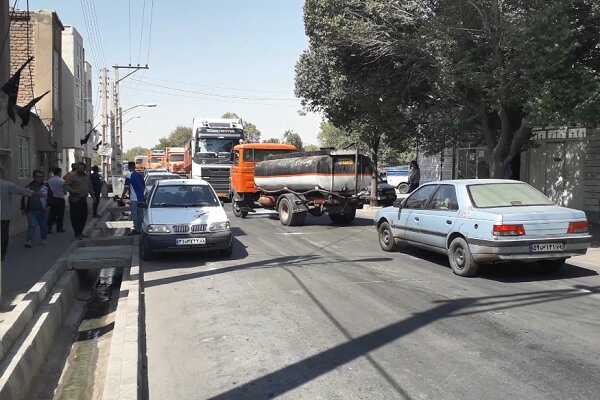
point(77, 100)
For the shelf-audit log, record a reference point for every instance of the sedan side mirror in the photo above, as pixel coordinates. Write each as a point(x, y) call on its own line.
point(398, 203)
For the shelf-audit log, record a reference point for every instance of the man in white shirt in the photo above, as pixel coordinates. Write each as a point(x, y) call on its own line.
point(57, 208)
point(7, 190)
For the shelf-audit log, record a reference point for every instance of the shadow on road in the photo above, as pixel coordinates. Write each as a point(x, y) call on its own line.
point(511, 272)
point(290, 377)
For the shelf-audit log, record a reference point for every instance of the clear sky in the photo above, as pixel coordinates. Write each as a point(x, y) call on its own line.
point(206, 57)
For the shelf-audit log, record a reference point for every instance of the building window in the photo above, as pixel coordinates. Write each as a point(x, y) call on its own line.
point(23, 157)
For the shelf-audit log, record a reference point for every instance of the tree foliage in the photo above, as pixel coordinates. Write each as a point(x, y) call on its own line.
point(130, 154)
point(461, 70)
point(251, 132)
point(178, 138)
point(293, 138)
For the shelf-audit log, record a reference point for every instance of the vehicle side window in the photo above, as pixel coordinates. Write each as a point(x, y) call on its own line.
point(236, 158)
point(419, 198)
point(444, 199)
point(248, 155)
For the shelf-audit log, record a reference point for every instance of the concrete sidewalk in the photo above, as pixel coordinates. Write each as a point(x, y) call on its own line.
point(24, 267)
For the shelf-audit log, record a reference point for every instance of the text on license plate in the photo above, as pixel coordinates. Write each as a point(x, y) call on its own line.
point(542, 247)
point(189, 241)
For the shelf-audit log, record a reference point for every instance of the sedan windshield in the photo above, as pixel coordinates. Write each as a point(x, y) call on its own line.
point(184, 196)
point(506, 195)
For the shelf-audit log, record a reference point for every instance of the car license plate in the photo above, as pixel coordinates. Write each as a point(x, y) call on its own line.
point(222, 195)
point(189, 241)
point(545, 247)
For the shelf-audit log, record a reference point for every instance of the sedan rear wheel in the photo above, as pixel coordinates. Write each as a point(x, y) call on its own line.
point(460, 257)
point(386, 237)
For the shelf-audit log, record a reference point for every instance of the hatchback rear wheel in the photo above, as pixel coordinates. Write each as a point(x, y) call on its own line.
point(460, 257)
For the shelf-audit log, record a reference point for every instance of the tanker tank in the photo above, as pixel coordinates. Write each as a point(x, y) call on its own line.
point(332, 171)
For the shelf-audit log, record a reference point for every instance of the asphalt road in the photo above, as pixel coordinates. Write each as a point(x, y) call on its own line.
point(321, 312)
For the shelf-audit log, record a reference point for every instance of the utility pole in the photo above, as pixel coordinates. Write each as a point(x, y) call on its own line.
point(117, 126)
point(104, 91)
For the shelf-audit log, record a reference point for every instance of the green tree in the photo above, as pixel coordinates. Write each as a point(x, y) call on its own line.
point(482, 71)
point(293, 138)
point(251, 132)
point(130, 154)
point(178, 138)
point(311, 147)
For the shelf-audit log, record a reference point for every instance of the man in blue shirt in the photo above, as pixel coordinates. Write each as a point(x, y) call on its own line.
point(134, 185)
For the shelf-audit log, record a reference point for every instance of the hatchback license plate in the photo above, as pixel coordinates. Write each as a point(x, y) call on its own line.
point(189, 241)
point(546, 247)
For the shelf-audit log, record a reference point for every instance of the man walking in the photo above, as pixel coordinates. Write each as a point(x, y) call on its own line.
point(57, 208)
point(79, 186)
point(36, 208)
point(7, 189)
point(134, 185)
point(97, 186)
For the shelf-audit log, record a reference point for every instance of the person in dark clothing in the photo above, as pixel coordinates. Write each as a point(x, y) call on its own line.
point(97, 186)
point(414, 177)
point(36, 207)
point(57, 207)
point(79, 187)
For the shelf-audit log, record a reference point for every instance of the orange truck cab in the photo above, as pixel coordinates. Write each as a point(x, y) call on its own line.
point(175, 160)
point(244, 157)
point(156, 159)
point(140, 163)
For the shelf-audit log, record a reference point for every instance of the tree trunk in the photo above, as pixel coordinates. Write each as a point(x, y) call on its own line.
point(374, 178)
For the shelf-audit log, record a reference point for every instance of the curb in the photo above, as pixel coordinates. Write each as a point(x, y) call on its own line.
point(123, 373)
point(19, 319)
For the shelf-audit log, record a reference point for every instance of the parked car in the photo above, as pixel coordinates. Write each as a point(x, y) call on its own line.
point(398, 177)
point(152, 177)
point(184, 215)
point(386, 193)
point(485, 221)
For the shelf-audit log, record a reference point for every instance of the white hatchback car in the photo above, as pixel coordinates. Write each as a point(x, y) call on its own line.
point(184, 215)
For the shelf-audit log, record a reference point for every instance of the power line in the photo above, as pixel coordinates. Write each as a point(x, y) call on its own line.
point(93, 48)
point(211, 99)
point(141, 32)
point(150, 31)
point(213, 94)
point(215, 87)
point(96, 27)
point(129, 3)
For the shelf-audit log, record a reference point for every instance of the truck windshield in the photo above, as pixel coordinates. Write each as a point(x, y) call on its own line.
point(216, 145)
point(176, 157)
point(156, 159)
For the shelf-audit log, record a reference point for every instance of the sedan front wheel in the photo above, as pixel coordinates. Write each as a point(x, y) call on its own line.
point(386, 237)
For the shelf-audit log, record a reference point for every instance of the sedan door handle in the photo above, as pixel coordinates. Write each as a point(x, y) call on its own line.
point(449, 222)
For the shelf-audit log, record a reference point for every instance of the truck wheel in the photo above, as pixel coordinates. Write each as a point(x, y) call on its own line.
point(237, 211)
point(285, 210)
point(344, 218)
point(460, 257)
point(403, 188)
point(386, 237)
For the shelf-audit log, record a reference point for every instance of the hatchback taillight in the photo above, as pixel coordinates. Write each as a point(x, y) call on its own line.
point(578, 227)
point(508, 230)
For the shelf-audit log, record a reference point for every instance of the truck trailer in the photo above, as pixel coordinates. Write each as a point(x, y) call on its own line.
point(277, 177)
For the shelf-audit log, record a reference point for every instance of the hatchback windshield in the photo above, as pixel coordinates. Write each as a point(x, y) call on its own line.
point(151, 179)
point(506, 195)
point(184, 196)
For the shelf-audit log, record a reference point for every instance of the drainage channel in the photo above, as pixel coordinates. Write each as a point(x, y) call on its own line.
point(76, 366)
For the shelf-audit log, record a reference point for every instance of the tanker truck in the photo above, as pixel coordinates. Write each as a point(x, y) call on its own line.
point(276, 177)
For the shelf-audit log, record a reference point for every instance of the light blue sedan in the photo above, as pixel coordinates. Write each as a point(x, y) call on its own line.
point(484, 221)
